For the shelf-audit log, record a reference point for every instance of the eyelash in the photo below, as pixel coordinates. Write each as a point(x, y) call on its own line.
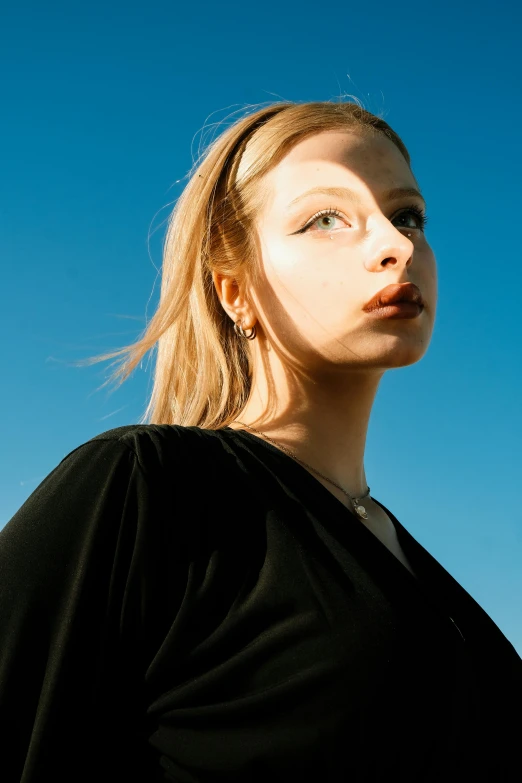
point(414, 209)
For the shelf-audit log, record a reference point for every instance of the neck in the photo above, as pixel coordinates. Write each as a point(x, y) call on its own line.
point(323, 423)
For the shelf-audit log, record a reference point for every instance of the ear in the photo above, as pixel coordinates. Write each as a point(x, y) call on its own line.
point(233, 299)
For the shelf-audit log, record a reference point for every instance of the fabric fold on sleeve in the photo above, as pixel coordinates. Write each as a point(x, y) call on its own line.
point(68, 689)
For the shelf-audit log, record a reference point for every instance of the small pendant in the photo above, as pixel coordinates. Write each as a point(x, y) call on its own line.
point(361, 512)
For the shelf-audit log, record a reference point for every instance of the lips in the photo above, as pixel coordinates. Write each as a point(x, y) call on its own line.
point(392, 294)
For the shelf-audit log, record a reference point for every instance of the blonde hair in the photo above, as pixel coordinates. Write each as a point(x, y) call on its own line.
point(203, 370)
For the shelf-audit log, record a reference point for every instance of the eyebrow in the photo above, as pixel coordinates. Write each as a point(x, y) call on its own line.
point(351, 195)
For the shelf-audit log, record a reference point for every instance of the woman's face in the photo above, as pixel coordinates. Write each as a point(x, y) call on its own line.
point(319, 270)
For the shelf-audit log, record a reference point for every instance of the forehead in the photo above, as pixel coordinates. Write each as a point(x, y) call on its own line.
point(366, 163)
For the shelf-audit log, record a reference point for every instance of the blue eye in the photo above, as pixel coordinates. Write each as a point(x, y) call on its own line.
point(325, 213)
point(412, 217)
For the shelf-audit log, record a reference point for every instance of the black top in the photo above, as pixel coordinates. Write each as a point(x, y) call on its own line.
point(189, 605)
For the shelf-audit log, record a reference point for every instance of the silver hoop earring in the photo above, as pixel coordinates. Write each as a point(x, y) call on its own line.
point(241, 332)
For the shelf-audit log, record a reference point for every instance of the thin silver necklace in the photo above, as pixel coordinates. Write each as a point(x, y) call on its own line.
point(359, 509)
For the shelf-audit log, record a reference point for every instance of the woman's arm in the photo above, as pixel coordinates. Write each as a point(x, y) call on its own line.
point(69, 682)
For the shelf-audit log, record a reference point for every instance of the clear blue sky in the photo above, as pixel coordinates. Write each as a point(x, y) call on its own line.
point(103, 110)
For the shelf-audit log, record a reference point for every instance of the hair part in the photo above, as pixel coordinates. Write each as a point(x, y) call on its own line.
point(203, 370)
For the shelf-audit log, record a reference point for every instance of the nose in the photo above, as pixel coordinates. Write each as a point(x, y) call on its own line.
point(391, 247)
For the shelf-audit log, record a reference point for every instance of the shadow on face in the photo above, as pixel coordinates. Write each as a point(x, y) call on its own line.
point(322, 255)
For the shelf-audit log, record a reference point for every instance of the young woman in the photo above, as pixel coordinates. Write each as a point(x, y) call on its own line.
point(215, 595)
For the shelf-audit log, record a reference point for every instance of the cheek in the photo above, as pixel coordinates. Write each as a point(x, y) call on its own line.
point(428, 264)
point(320, 303)
point(314, 278)
point(310, 284)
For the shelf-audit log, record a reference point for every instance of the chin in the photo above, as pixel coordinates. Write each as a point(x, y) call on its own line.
point(404, 355)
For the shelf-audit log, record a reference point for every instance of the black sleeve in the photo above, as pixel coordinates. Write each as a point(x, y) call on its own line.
point(69, 668)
